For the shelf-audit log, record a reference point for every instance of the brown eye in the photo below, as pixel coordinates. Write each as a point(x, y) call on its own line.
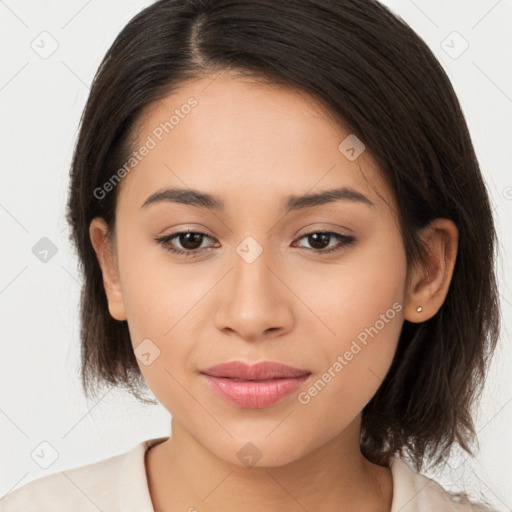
point(320, 241)
point(189, 242)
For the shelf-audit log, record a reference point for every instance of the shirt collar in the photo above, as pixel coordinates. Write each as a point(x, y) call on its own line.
point(132, 485)
point(412, 492)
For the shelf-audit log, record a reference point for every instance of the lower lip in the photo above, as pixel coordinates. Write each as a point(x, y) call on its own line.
point(254, 394)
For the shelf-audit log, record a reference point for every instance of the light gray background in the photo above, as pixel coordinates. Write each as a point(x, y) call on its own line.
point(41, 100)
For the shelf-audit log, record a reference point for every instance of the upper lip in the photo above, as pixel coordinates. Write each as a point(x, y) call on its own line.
point(259, 371)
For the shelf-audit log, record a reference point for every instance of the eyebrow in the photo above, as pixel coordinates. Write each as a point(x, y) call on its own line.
point(199, 199)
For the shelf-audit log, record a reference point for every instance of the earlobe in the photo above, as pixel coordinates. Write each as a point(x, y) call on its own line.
point(430, 282)
point(105, 252)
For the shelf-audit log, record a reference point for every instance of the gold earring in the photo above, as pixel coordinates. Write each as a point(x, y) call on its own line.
point(419, 309)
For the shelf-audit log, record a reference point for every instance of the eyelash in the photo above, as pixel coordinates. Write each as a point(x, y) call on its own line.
point(345, 240)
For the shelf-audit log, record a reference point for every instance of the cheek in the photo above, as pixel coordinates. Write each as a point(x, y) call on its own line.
point(163, 301)
point(361, 307)
point(366, 287)
point(156, 292)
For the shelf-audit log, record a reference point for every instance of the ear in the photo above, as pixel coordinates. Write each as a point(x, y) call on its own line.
point(429, 283)
point(105, 252)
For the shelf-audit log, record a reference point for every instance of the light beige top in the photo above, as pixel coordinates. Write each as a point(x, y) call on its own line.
point(119, 484)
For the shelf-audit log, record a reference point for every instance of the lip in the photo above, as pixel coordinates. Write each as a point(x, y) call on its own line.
point(259, 371)
point(254, 386)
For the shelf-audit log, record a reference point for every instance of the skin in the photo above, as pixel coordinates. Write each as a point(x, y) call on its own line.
point(253, 144)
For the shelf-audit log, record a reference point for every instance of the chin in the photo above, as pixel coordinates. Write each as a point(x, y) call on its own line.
point(259, 450)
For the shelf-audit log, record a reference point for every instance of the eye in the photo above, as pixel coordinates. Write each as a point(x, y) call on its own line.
point(191, 242)
point(321, 239)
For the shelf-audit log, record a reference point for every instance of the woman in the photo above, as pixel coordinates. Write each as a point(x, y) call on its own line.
point(285, 236)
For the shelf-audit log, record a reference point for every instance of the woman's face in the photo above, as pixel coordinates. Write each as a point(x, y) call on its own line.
point(259, 284)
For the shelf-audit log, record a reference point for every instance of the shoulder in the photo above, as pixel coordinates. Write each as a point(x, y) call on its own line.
point(87, 488)
point(81, 489)
point(413, 492)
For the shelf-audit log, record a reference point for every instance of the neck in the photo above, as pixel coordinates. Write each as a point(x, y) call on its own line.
point(184, 475)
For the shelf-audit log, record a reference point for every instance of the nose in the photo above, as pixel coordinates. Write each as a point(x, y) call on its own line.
point(254, 301)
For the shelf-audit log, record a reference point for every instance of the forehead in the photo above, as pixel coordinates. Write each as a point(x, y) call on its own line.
point(223, 134)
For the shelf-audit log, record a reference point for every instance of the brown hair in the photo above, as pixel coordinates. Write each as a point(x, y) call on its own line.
point(382, 82)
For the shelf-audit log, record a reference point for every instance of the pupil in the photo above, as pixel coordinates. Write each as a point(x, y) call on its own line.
point(191, 240)
point(323, 237)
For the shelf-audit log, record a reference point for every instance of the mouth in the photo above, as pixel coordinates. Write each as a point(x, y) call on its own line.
point(254, 386)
